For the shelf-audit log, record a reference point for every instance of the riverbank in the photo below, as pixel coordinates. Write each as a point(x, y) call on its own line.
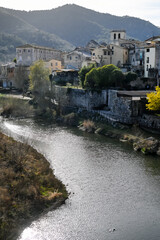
point(133, 135)
point(86, 121)
point(27, 186)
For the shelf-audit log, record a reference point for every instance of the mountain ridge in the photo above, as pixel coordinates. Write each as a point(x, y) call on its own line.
point(70, 25)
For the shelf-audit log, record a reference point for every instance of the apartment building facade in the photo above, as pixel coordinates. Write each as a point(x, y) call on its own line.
point(27, 54)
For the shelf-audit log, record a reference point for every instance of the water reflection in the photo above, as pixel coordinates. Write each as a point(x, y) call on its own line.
point(111, 186)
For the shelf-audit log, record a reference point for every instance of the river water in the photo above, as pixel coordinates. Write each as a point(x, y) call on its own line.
point(112, 187)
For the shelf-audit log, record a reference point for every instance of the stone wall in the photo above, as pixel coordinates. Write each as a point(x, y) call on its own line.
point(150, 122)
point(80, 98)
point(120, 106)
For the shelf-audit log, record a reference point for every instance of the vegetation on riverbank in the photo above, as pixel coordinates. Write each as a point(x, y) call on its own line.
point(134, 136)
point(15, 107)
point(27, 186)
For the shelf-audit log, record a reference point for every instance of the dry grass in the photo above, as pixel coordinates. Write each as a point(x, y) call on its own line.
point(15, 107)
point(89, 126)
point(26, 183)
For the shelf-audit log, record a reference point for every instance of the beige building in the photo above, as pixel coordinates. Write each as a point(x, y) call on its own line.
point(27, 54)
point(102, 55)
point(112, 54)
point(119, 55)
point(53, 65)
point(116, 35)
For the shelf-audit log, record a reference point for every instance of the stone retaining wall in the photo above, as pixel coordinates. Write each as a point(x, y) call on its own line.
point(80, 98)
point(151, 122)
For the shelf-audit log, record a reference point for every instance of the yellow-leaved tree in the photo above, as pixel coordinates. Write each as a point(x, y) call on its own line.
point(154, 100)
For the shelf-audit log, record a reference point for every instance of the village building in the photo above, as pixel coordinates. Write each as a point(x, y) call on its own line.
point(92, 44)
point(119, 55)
point(7, 75)
point(28, 54)
point(116, 35)
point(152, 57)
point(74, 59)
point(102, 55)
point(53, 65)
point(110, 54)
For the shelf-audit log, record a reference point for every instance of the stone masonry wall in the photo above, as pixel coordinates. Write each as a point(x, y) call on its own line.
point(80, 98)
point(119, 106)
point(151, 122)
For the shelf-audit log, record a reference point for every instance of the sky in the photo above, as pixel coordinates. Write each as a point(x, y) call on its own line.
point(145, 9)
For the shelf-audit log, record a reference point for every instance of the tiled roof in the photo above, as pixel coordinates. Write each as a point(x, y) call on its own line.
point(37, 47)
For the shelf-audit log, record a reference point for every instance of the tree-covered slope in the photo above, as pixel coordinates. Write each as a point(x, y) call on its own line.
point(78, 25)
point(69, 26)
point(15, 31)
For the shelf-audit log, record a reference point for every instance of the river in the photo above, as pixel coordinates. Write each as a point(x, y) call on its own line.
point(111, 186)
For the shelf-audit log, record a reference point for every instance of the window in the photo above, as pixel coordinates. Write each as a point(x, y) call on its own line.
point(108, 53)
point(147, 59)
point(51, 64)
point(147, 50)
point(70, 58)
point(147, 68)
point(105, 52)
point(119, 35)
point(24, 50)
point(28, 50)
point(93, 54)
point(56, 64)
point(114, 35)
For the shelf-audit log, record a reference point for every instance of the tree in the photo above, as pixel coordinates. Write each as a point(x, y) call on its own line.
point(39, 78)
point(91, 79)
point(21, 78)
point(82, 73)
point(101, 77)
point(106, 75)
point(39, 82)
point(117, 78)
point(154, 100)
point(130, 76)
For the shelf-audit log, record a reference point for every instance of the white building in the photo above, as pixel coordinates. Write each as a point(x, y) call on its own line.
point(152, 57)
point(27, 54)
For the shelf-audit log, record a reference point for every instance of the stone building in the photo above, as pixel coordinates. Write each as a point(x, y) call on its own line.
point(127, 106)
point(102, 55)
point(7, 72)
point(27, 54)
point(110, 54)
point(116, 35)
point(74, 59)
point(119, 55)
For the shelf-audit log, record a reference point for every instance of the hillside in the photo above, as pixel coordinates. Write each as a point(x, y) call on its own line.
point(78, 25)
point(15, 31)
point(74, 24)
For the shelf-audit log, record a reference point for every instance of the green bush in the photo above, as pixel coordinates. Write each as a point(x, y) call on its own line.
point(82, 73)
point(103, 77)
